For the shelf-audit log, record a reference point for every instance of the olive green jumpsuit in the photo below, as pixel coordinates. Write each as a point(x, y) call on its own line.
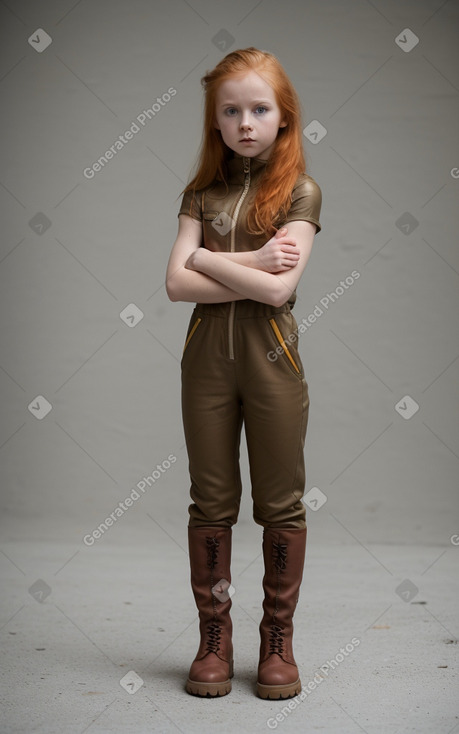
point(232, 373)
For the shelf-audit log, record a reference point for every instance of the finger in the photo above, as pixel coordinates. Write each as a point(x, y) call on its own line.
point(288, 244)
point(290, 250)
point(287, 241)
point(281, 232)
point(291, 262)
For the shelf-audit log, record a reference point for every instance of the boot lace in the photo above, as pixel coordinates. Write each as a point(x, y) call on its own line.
point(276, 639)
point(276, 632)
point(213, 545)
point(214, 634)
point(212, 552)
point(280, 556)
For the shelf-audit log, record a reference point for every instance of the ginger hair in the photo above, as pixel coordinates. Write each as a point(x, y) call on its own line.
point(286, 161)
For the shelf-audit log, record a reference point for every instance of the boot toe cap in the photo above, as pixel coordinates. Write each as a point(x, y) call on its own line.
point(209, 670)
point(276, 672)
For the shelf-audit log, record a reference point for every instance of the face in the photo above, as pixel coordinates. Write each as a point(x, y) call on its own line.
point(248, 115)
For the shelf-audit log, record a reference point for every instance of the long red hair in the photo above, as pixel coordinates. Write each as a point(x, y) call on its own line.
point(286, 160)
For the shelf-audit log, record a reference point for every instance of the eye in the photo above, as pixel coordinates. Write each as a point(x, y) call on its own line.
point(261, 108)
point(231, 111)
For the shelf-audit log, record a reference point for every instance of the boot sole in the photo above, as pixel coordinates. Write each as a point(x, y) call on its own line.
point(280, 691)
point(210, 690)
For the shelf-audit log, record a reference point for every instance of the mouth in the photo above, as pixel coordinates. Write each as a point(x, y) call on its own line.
point(247, 140)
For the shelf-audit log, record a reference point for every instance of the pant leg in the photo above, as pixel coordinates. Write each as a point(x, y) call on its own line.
point(276, 406)
point(212, 420)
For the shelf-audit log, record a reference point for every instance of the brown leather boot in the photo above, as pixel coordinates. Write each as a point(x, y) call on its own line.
point(283, 552)
point(210, 558)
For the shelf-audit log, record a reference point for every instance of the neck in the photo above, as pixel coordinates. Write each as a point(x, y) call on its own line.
point(252, 158)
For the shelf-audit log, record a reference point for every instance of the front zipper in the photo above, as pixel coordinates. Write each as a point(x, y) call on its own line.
point(232, 249)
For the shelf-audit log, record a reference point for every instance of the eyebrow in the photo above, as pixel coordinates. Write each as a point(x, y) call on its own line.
point(256, 101)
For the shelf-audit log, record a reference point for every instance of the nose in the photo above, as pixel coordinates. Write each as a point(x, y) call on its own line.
point(245, 122)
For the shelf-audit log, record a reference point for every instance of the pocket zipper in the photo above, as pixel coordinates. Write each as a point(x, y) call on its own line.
point(281, 341)
point(193, 329)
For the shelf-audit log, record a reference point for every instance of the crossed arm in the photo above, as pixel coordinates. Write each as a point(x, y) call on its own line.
point(268, 275)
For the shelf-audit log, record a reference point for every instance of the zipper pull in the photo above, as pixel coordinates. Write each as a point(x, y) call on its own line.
point(246, 165)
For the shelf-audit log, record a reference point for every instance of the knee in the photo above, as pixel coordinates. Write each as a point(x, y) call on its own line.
point(270, 516)
point(200, 516)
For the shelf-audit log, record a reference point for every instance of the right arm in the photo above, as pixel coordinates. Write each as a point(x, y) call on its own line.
point(183, 284)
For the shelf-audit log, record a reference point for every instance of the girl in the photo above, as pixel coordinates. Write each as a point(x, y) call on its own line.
point(238, 261)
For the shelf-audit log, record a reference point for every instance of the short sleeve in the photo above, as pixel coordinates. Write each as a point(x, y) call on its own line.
point(306, 202)
point(191, 204)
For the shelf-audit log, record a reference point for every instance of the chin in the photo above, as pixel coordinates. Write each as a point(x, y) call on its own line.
point(248, 152)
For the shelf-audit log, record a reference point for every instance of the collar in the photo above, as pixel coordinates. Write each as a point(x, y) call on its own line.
point(238, 164)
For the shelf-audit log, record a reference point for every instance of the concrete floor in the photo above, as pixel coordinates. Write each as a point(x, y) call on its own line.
point(77, 620)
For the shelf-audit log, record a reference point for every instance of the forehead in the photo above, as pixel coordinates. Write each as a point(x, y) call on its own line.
point(244, 88)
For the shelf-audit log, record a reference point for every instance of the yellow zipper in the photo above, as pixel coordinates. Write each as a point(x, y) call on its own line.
point(232, 249)
point(193, 329)
point(281, 341)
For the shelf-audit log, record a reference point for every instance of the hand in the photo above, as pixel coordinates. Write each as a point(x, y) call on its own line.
point(280, 253)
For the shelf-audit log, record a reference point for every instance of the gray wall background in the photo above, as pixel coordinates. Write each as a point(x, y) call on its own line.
point(75, 252)
point(381, 362)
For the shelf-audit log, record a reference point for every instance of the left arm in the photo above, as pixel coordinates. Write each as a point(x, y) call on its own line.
point(258, 285)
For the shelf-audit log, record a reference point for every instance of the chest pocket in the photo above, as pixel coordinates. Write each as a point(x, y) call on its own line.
point(210, 216)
